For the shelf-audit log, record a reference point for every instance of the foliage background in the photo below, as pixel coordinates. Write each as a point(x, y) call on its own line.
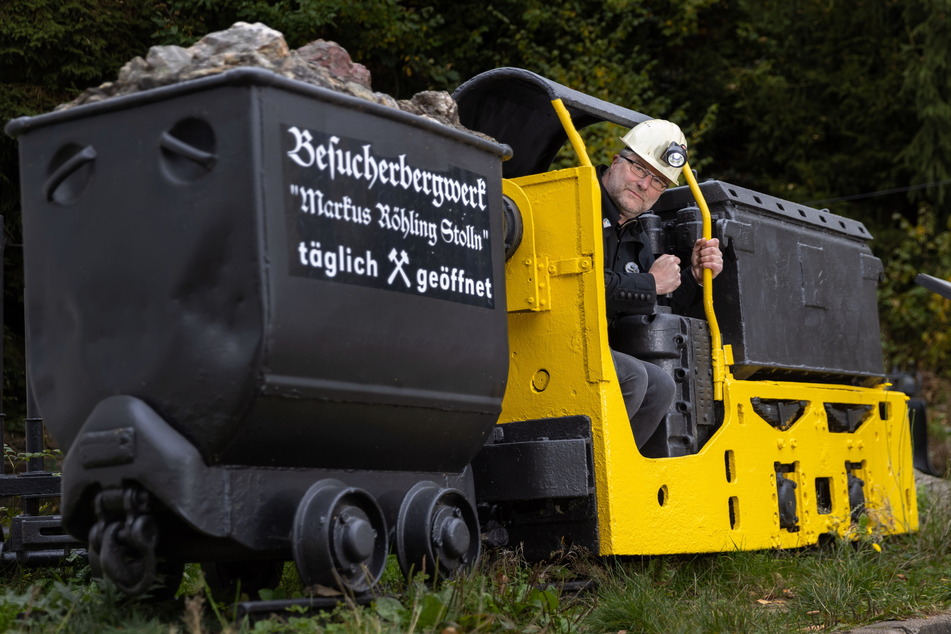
point(841, 104)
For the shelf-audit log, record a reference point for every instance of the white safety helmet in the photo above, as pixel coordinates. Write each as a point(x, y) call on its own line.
point(661, 144)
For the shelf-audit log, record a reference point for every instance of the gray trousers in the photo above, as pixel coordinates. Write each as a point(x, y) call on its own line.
point(648, 392)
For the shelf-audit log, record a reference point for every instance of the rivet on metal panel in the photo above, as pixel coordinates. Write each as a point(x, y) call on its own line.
point(540, 380)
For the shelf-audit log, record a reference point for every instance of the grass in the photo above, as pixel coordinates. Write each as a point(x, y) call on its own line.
point(836, 585)
point(504, 594)
point(841, 584)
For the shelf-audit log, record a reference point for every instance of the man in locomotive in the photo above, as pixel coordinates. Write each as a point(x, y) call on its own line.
point(637, 280)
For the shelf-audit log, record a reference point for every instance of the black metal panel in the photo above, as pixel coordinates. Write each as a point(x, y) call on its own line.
point(918, 421)
point(41, 536)
point(273, 267)
point(535, 485)
point(533, 470)
point(29, 485)
point(797, 295)
point(539, 459)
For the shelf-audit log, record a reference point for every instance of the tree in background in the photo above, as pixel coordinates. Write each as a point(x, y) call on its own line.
point(609, 49)
point(926, 87)
point(917, 323)
point(813, 100)
point(813, 96)
point(49, 51)
point(845, 105)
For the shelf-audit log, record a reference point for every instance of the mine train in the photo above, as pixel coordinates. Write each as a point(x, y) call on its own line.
point(272, 322)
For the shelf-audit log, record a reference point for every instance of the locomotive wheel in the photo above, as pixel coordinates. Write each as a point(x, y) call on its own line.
point(339, 537)
point(437, 531)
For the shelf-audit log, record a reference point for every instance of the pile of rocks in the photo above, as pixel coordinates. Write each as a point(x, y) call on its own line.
point(320, 63)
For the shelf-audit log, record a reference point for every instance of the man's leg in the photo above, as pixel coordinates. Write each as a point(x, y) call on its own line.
point(648, 392)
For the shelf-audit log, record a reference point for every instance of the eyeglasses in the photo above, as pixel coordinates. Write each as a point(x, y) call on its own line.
point(640, 172)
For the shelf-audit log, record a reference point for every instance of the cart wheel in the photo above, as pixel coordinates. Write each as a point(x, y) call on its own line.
point(339, 537)
point(437, 531)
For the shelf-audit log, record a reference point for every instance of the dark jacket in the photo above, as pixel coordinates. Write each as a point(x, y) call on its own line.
point(629, 289)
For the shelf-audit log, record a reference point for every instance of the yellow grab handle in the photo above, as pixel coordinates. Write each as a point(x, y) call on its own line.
point(576, 141)
point(716, 343)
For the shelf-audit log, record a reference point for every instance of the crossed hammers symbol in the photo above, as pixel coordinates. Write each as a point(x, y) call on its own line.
point(399, 260)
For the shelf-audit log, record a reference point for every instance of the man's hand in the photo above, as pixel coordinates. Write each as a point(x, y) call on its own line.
point(666, 272)
point(706, 255)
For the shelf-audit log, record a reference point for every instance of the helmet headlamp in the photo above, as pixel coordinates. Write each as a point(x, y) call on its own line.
point(675, 155)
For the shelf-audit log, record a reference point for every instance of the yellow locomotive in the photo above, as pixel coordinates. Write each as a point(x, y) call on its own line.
point(783, 430)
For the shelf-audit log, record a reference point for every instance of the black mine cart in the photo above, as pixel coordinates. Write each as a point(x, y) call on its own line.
point(252, 310)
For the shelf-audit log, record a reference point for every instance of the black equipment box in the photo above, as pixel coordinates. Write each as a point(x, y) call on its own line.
point(797, 298)
point(289, 276)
